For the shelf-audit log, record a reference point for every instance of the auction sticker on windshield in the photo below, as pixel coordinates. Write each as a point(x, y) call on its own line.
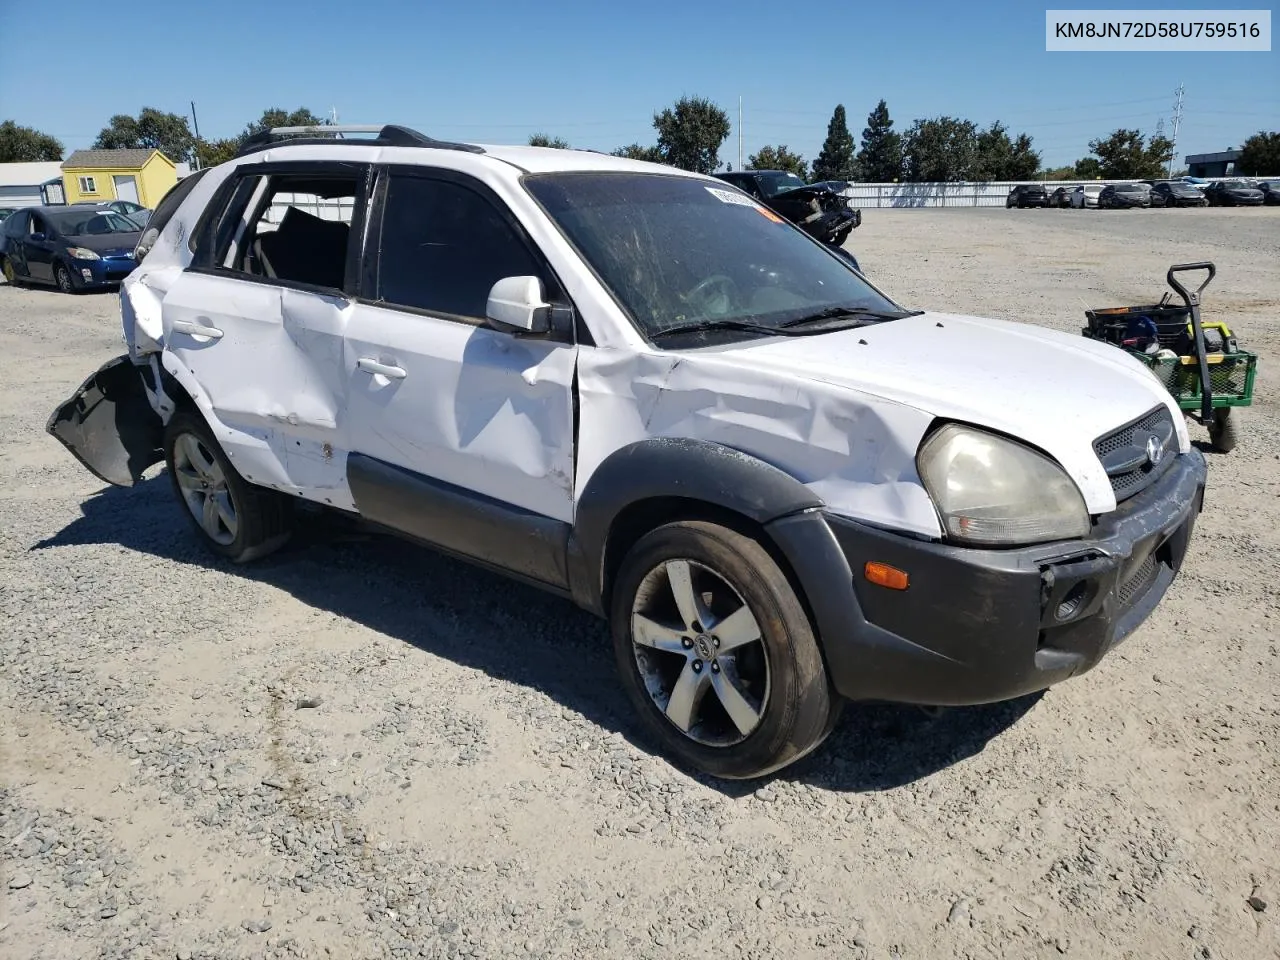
point(728, 196)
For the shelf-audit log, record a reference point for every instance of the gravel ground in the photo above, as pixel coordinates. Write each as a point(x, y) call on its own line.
point(357, 749)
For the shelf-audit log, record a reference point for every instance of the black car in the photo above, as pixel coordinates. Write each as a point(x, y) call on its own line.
point(1061, 197)
point(1234, 193)
point(1118, 196)
point(73, 248)
point(1171, 193)
point(1270, 192)
point(819, 209)
point(1027, 195)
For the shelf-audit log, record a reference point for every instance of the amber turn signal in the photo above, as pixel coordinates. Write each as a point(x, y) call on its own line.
point(884, 575)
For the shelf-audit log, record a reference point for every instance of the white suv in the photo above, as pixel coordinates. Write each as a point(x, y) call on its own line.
point(639, 388)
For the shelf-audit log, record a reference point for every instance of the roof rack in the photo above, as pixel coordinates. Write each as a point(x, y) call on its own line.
point(388, 135)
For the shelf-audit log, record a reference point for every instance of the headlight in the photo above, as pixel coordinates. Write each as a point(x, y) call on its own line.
point(82, 253)
point(995, 492)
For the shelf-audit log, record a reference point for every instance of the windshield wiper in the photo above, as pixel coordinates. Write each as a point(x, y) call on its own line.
point(849, 313)
point(700, 326)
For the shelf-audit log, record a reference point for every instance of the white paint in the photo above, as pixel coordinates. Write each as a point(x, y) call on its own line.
point(288, 395)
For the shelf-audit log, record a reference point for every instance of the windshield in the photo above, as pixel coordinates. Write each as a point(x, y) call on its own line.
point(92, 222)
point(675, 250)
point(772, 184)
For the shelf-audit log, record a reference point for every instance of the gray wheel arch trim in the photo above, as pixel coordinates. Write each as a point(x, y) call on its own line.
point(697, 470)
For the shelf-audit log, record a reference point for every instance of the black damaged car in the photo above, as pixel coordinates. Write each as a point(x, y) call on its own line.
point(819, 209)
point(1171, 193)
point(1234, 193)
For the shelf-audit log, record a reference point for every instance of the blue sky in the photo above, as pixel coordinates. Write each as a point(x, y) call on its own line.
point(595, 72)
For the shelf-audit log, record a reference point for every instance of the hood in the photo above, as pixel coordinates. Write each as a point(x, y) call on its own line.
point(1244, 191)
point(1053, 390)
point(106, 242)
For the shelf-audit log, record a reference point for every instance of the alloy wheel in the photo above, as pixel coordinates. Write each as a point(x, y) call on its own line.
point(700, 653)
point(63, 279)
point(204, 489)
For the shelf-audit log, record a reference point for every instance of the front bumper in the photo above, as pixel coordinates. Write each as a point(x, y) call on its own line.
point(104, 272)
point(977, 626)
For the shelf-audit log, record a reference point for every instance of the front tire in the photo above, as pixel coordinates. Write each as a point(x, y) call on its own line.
point(716, 652)
point(1224, 431)
point(235, 519)
point(62, 277)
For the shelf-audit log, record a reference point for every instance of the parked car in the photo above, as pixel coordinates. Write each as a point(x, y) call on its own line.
point(1061, 197)
point(1086, 195)
point(1173, 193)
point(5, 211)
point(72, 247)
point(1234, 193)
point(1197, 182)
point(819, 209)
point(134, 211)
point(1117, 196)
point(642, 389)
point(1027, 195)
point(1270, 191)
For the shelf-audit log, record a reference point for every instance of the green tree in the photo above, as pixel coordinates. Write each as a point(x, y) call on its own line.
point(690, 134)
point(276, 117)
point(1127, 155)
point(1260, 155)
point(1058, 173)
point(1001, 158)
point(545, 140)
point(151, 129)
point(210, 153)
point(1088, 168)
point(634, 151)
point(880, 159)
point(26, 145)
point(779, 158)
point(940, 149)
point(835, 160)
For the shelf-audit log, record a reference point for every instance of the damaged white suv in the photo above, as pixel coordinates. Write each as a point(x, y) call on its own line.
point(638, 388)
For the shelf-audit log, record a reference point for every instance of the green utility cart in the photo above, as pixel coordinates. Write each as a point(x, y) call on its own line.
point(1209, 376)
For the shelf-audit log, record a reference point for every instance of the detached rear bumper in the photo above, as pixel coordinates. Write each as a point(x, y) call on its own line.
point(976, 626)
point(108, 424)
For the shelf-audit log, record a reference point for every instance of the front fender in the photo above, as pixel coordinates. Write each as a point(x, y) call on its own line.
point(695, 470)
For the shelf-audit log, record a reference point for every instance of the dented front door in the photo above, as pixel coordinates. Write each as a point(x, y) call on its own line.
point(473, 407)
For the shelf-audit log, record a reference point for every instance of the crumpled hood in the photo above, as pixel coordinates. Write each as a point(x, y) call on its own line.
point(1056, 391)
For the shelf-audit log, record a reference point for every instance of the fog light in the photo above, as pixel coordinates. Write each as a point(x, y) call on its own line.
point(87, 274)
point(884, 575)
point(1072, 602)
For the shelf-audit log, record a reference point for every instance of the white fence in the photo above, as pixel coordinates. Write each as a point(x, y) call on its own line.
point(988, 194)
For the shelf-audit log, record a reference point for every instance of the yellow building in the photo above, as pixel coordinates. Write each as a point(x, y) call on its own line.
point(143, 176)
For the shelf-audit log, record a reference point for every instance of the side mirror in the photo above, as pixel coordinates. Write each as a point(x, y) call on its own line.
point(517, 304)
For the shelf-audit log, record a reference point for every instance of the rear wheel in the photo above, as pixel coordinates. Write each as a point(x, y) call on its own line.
point(1224, 431)
point(236, 519)
point(716, 652)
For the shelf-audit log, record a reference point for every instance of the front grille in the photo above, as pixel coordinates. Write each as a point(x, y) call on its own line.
point(1124, 453)
point(1141, 580)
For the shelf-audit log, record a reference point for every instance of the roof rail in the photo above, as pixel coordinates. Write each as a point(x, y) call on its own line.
point(388, 135)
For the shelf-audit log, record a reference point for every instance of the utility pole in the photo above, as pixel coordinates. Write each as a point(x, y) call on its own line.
point(1177, 121)
point(739, 131)
point(196, 124)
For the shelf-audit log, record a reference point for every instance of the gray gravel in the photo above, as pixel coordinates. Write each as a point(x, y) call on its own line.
point(358, 749)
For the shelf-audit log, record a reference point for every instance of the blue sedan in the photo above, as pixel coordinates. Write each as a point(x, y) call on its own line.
point(72, 248)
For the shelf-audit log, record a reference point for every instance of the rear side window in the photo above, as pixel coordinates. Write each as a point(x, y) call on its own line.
point(164, 212)
point(444, 246)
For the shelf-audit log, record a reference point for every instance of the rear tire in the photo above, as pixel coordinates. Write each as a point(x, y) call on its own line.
point(1224, 431)
point(739, 692)
point(235, 519)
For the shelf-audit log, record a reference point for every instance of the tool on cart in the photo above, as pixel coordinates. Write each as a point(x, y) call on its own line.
point(1207, 376)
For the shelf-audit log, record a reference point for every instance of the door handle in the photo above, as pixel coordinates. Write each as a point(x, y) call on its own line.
point(369, 365)
point(196, 329)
